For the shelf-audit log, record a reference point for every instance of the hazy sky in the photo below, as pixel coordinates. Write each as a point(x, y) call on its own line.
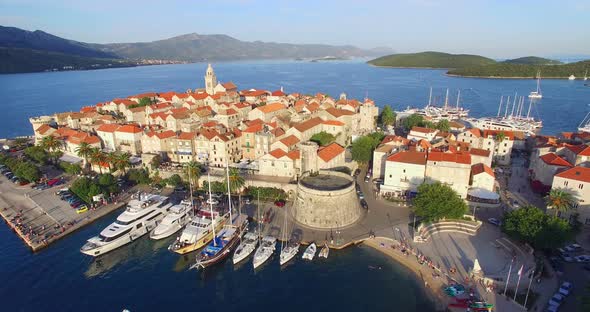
point(495, 28)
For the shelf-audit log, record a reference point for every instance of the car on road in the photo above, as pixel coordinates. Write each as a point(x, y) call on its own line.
point(361, 195)
point(364, 204)
point(582, 258)
point(573, 247)
point(54, 182)
point(515, 204)
point(567, 257)
point(556, 300)
point(565, 289)
point(494, 221)
point(82, 209)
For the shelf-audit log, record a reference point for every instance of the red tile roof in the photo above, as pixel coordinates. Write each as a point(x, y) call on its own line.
point(129, 129)
point(229, 86)
point(81, 137)
point(108, 128)
point(423, 130)
point(481, 168)
point(277, 153)
point(333, 123)
point(580, 150)
point(479, 152)
point(269, 108)
point(338, 112)
point(416, 158)
point(554, 160)
point(394, 138)
point(294, 154)
point(576, 173)
point(186, 135)
point(255, 128)
point(278, 93)
point(476, 132)
point(200, 95)
point(330, 152)
point(308, 124)
point(290, 140)
point(42, 129)
point(507, 134)
point(460, 157)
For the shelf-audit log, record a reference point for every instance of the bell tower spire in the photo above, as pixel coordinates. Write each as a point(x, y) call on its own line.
point(210, 80)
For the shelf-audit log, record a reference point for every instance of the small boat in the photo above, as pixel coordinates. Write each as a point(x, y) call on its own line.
point(537, 94)
point(178, 217)
point(309, 252)
point(571, 77)
point(264, 251)
point(246, 247)
point(324, 252)
point(222, 244)
point(289, 252)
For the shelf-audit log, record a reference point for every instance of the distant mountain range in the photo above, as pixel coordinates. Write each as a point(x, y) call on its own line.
point(29, 51)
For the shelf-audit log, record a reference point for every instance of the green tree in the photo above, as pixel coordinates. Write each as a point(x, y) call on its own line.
point(156, 162)
point(531, 225)
point(108, 183)
point(437, 201)
point(52, 146)
point(37, 153)
point(122, 161)
point(73, 169)
point(193, 172)
point(236, 180)
point(387, 117)
point(145, 101)
point(27, 171)
point(500, 136)
point(174, 180)
point(139, 176)
point(98, 158)
point(559, 200)
point(84, 150)
point(413, 120)
point(362, 150)
point(322, 138)
point(443, 125)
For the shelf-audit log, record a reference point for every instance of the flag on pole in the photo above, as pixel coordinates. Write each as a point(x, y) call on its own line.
point(520, 271)
point(518, 283)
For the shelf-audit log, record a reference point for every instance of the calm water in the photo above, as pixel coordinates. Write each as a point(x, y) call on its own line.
point(564, 104)
point(145, 276)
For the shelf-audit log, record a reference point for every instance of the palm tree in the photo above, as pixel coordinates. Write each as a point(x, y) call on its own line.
point(194, 172)
point(236, 181)
point(122, 162)
point(51, 144)
point(112, 159)
point(97, 157)
point(84, 150)
point(560, 200)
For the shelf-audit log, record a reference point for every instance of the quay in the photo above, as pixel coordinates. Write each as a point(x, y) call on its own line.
point(40, 218)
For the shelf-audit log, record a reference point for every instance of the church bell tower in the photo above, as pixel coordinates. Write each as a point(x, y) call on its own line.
point(210, 80)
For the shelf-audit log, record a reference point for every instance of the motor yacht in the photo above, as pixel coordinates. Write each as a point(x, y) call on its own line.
point(179, 216)
point(142, 214)
point(309, 252)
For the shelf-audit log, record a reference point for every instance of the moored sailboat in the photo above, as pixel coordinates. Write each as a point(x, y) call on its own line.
point(265, 250)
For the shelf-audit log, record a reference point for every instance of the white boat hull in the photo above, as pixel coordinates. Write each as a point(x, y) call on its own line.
point(287, 255)
point(157, 234)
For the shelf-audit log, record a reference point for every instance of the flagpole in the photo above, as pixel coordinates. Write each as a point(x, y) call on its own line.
point(508, 279)
point(528, 289)
point(518, 283)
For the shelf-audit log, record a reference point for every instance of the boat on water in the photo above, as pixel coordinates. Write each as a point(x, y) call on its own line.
point(571, 77)
point(178, 216)
point(586, 75)
point(537, 94)
point(199, 232)
point(223, 244)
point(584, 125)
point(142, 214)
point(289, 251)
point(264, 251)
point(246, 247)
point(309, 252)
point(324, 252)
point(435, 113)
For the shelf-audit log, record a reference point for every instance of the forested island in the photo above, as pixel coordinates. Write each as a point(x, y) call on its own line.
point(467, 65)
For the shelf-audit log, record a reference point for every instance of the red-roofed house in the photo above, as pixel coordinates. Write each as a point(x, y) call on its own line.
point(421, 133)
point(228, 117)
point(267, 112)
point(106, 133)
point(306, 129)
point(279, 163)
point(43, 131)
point(453, 169)
point(128, 139)
point(404, 172)
point(546, 167)
point(575, 181)
point(330, 156)
point(482, 176)
point(482, 156)
point(286, 144)
point(577, 155)
point(156, 142)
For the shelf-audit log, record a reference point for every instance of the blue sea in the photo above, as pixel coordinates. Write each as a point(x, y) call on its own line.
point(145, 276)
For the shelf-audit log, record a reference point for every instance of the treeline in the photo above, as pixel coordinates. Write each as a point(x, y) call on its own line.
point(507, 70)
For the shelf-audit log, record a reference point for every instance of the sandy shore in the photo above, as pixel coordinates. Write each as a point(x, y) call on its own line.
point(434, 286)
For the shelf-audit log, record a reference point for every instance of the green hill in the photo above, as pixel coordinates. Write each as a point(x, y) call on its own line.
point(17, 60)
point(508, 70)
point(431, 60)
point(532, 60)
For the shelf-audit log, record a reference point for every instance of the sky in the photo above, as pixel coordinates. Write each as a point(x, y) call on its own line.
point(493, 28)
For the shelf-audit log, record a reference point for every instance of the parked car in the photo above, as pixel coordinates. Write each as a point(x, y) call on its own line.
point(76, 204)
point(280, 203)
point(552, 308)
point(582, 258)
point(82, 209)
point(567, 257)
point(573, 247)
point(361, 195)
point(62, 191)
point(556, 300)
point(54, 182)
point(494, 221)
point(565, 289)
point(364, 204)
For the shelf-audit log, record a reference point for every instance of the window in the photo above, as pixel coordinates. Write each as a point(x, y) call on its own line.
point(404, 170)
point(581, 186)
point(505, 144)
point(565, 183)
point(139, 225)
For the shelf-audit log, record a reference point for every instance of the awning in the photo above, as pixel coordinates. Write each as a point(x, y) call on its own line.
point(71, 159)
point(483, 194)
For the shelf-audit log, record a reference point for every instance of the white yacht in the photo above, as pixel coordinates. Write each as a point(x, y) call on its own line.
point(309, 252)
point(141, 215)
point(246, 247)
point(435, 113)
point(584, 126)
point(264, 251)
point(176, 219)
point(289, 252)
point(537, 94)
point(571, 77)
point(199, 232)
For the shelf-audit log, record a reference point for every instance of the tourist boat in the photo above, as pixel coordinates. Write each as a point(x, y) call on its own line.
point(264, 251)
point(571, 77)
point(435, 113)
point(324, 252)
point(199, 232)
point(537, 94)
point(141, 215)
point(516, 121)
point(176, 219)
point(223, 244)
point(246, 247)
point(309, 252)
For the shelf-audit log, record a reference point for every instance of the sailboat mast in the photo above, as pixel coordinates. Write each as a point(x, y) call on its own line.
point(513, 105)
point(528, 114)
point(190, 186)
point(500, 106)
point(258, 214)
point(211, 207)
point(538, 82)
point(430, 98)
point(458, 97)
point(447, 99)
point(506, 110)
point(228, 192)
